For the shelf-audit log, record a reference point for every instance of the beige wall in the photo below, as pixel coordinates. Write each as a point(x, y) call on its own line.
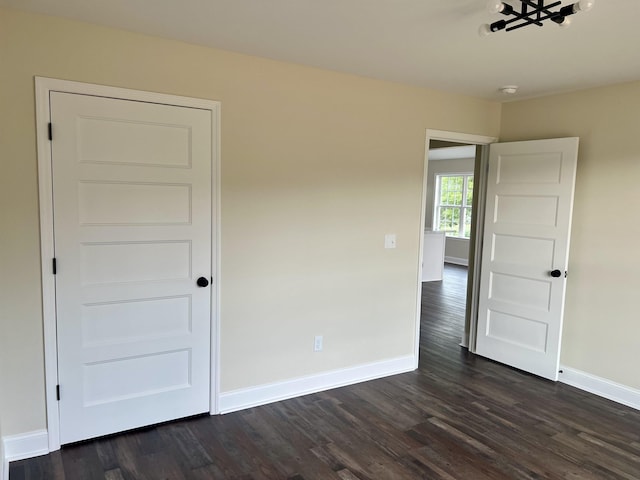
point(316, 167)
point(454, 247)
point(602, 330)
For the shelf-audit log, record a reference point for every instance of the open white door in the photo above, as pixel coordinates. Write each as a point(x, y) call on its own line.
point(132, 207)
point(525, 253)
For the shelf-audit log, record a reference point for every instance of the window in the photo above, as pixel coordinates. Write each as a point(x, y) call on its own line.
point(454, 199)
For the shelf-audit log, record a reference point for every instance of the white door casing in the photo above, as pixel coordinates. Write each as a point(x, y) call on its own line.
point(132, 187)
point(526, 237)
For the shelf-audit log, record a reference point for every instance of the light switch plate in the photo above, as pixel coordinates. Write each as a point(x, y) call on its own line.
point(390, 240)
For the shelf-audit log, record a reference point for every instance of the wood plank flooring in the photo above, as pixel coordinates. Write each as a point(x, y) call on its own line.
point(458, 417)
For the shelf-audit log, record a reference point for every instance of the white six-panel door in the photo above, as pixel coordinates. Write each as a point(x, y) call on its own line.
point(132, 230)
point(526, 238)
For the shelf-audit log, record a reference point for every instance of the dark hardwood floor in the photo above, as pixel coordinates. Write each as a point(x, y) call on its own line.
point(457, 417)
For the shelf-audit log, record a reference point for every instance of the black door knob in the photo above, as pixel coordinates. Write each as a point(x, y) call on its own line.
point(556, 273)
point(202, 282)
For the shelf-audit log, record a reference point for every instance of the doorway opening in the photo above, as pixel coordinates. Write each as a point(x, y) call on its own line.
point(449, 207)
point(453, 188)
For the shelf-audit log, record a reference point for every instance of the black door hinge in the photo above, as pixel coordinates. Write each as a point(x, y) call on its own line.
point(50, 131)
point(58, 392)
point(55, 266)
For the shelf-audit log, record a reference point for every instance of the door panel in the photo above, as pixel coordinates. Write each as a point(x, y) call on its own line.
point(526, 236)
point(132, 229)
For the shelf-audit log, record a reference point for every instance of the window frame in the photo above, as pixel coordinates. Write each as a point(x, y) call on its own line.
point(463, 207)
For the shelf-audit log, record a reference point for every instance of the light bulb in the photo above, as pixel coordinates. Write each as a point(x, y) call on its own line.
point(495, 6)
point(566, 22)
point(484, 30)
point(583, 6)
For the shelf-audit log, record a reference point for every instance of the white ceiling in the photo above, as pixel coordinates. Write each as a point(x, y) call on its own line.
point(452, 153)
point(429, 43)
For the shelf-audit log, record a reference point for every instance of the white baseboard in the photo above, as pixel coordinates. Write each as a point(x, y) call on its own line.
point(274, 392)
point(25, 445)
point(600, 386)
point(33, 444)
point(457, 261)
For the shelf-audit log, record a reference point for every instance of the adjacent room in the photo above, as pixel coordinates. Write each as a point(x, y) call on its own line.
point(319, 240)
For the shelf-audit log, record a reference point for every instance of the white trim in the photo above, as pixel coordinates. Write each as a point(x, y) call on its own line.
point(458, 137)
point(423, 220)
point(600, 386)
point(25, 445)
point(43, 87)
point(216, 237)
point(47, 252)
point(450, 137)
point(4, 462)
point(457, 261)
point(274, 392)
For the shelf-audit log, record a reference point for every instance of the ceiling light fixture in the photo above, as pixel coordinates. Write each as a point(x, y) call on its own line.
point(532, 12)
point(508, 89)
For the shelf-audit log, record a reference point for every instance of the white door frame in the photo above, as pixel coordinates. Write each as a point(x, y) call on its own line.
point(457, 137)
point(43, 86)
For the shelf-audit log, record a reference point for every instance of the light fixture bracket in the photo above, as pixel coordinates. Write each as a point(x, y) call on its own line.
point(532, 12)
